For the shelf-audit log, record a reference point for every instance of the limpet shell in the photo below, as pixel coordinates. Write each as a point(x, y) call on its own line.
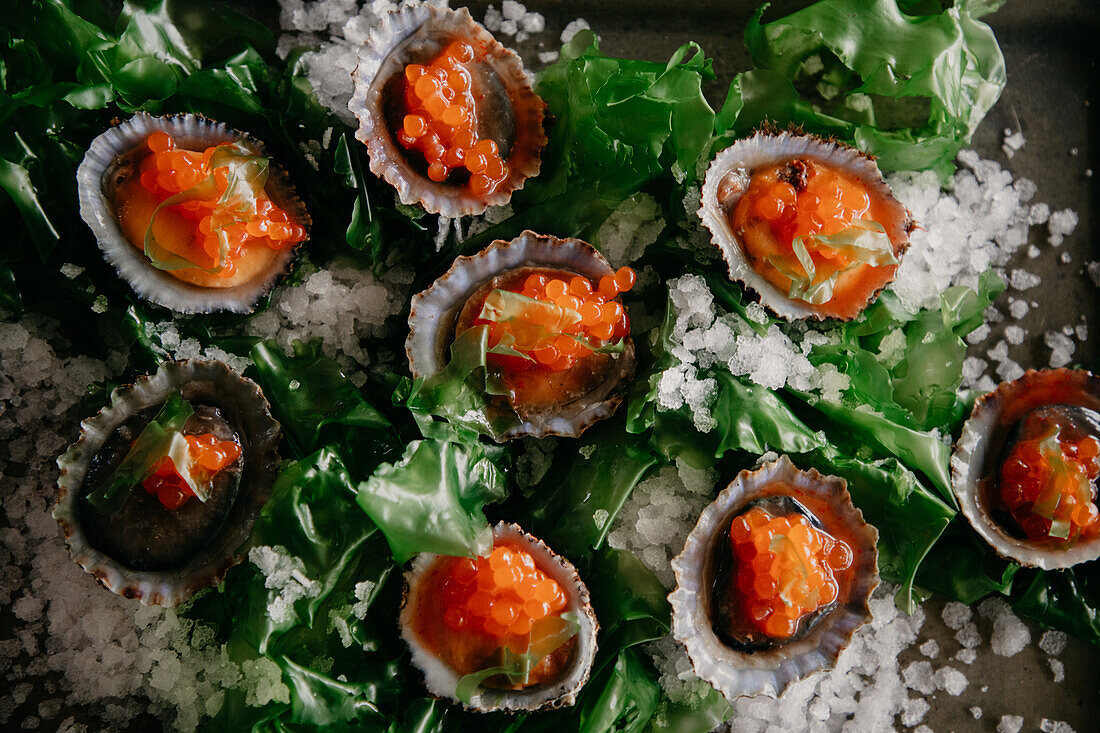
point(735, 673)
point(434, 311)
point(728, 178)
point(978, 455)
point(112, 157)
point(442, 681)
point(244, 406)
point(510, 113)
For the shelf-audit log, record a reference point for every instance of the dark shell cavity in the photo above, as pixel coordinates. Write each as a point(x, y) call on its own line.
point(1067, 397)
point(509, 112)
point(435, 312)
point(165, 556)
point(143, 534)
point(729, 624)
point(113, 157)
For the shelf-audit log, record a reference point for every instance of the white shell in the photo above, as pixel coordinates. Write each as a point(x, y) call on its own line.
point(441, 680)
point(416, 32)
point(737, 674)
point(102, 161)
point(260, 437)
point(728, 178)
point(433, 312)
point(980, 444)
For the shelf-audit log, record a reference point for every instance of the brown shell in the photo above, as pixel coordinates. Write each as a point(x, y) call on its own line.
point(509, 112)
point(259, 432)
point(727, 179)
point(978, 452)
point(441, 681)
point(433, 314)
point(735, 673)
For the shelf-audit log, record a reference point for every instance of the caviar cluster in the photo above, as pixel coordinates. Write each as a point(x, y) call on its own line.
point(167, 171)
point(208, 456)
point(785, 569)
point(441, 121)
point(1047, 484)
point(501, 595)
point(588, 316)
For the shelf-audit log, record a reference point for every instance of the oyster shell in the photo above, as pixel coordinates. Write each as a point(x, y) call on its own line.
point(737, 673)
point(149, 564)
point(441, 680)
point(510, 113)
point(435, 312)
point(728, 178)
point(980, 451)
point(112, 158)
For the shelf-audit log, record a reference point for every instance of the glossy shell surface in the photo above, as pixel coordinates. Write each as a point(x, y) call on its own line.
point(242, 402)
point(509, 111)
point(979, 451)
point(434, 311)
point(441, 680)
point(113, 155)
point(728, 178)
point(736, 673)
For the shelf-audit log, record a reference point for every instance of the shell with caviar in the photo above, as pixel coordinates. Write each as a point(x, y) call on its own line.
point(737, 670)
point(442, 680)
point(112, 161)
point(727, 180)
point(1068, 397)
point(508, 111)
point(144, 550)
point(437, 313)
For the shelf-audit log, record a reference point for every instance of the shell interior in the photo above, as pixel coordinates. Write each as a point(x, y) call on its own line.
point(728, 178)
point(108, 158)
point(243, 403)
point(736, 673)
point(978, 453)
point(441, 680)
point(433, 313)
point(510, 113)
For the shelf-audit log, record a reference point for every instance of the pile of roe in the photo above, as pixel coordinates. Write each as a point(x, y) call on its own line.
point(208, 456)
point(786, 569)
point(441, 121)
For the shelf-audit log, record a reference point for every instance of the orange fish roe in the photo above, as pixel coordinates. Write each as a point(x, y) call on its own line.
point(441, 121)
point(785, 569)
point(167, 171)
point(587, 317)
point(502, 595)
point(1047, 483)
point(208, 456)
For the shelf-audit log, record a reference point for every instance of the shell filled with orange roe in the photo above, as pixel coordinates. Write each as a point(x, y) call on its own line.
point(223, 221)
point(447, 113)
point(461, 614)
point(557, 329)
point(1025, 468)
point(774, 580)
point(808, 224)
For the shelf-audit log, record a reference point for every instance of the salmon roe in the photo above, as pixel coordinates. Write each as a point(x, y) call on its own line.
point(587, 316)
point(501, 595)
point(168, 170)
point(1048, 483)
point(804, 201)
point(785, 569)
point(441, 121)
point(208, 456)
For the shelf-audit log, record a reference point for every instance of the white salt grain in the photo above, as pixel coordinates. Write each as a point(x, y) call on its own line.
point(950, 680)
point(1010, 724)
point(1053, 642)
point(956, 615)
point(573, 29)
point(1055, 726)
point(976, 712)
point(1057, 670)
point(930, 649)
